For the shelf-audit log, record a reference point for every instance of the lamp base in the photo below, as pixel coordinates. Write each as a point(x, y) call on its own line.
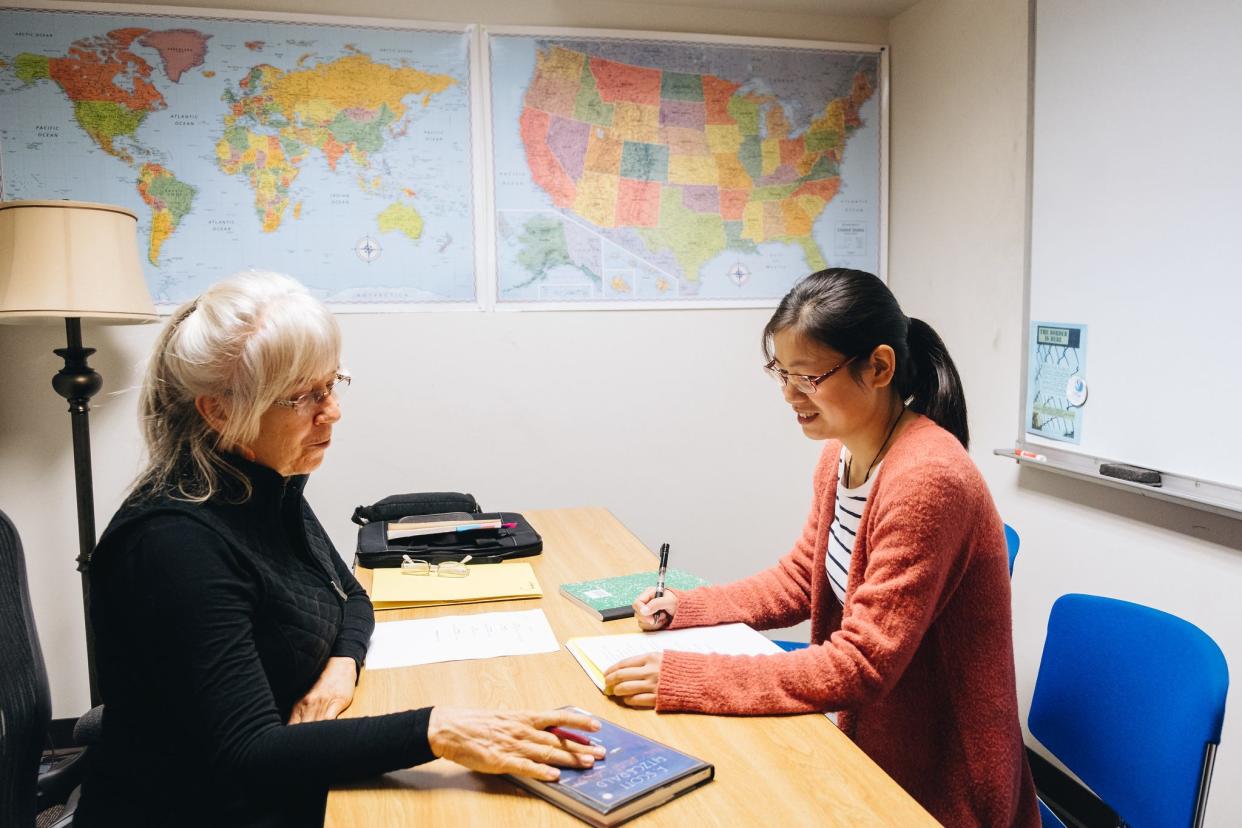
point(77, 382)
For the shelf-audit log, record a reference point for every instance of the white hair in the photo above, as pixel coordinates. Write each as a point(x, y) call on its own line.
point(246, 342)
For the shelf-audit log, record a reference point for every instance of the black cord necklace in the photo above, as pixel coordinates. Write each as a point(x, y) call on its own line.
point(884, 445)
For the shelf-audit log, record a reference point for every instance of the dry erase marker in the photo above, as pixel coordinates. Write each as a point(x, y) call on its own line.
point(1029, 455)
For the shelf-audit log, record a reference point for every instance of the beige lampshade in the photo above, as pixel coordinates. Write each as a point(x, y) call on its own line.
point(63, 259)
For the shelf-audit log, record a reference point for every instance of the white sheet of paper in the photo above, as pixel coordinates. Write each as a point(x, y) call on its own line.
point(460, 638)
point(603, 651)
point(730, 639)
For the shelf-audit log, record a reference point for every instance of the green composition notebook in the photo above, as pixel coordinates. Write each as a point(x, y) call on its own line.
point(610, 598)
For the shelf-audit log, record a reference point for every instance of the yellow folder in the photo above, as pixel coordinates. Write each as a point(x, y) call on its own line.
point(390, 589)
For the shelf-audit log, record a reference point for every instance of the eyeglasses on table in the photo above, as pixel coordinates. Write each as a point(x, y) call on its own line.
point(448, 569)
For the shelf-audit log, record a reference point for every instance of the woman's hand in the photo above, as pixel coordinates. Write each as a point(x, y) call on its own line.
point(511, 741)
point(634, 680)
point(332, 693)
point(654, 613)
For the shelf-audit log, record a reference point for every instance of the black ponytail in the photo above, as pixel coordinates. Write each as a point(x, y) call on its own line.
point(934, 387)
point(853, 313)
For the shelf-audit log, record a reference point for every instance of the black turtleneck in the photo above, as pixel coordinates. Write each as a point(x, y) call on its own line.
point(211, 621)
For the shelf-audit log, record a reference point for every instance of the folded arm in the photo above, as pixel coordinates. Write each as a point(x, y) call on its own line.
point(204, 659)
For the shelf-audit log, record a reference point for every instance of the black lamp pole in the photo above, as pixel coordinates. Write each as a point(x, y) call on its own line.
point(77, 382)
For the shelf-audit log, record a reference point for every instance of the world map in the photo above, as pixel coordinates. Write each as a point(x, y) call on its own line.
point(339, 154)
point(623, 170)
point(636, 169)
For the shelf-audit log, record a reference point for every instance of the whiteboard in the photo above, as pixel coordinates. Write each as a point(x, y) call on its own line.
point(1136, 224)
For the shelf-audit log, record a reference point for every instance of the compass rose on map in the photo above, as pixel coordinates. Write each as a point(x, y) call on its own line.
point(368, 249)
point(739, 274)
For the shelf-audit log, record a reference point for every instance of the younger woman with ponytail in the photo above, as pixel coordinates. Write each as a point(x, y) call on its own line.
point(901, 568)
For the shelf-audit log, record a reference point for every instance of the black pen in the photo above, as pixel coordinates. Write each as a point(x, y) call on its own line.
point(660, 578)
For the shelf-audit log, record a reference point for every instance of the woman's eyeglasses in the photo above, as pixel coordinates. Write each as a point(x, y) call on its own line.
point(448, 569)
point(308, 402)
point(805, 383)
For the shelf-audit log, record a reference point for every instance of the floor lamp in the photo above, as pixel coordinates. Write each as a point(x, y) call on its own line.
point(73, 260)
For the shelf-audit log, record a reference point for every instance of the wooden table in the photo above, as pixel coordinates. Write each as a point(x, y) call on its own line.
point(770, 770)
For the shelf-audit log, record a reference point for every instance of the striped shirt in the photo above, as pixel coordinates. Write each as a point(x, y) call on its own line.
point(844, 529)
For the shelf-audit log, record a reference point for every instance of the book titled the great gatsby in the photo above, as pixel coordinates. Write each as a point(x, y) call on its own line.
point(636, 775)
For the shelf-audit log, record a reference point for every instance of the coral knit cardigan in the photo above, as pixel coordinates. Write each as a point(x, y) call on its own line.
point(919, 660)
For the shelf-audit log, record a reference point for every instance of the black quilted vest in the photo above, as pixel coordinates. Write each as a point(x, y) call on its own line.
point(280, 544)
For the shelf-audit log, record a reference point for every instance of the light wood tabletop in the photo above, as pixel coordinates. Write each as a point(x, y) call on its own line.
point(770, 770)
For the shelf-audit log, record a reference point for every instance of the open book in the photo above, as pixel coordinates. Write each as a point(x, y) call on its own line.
point(596, 653)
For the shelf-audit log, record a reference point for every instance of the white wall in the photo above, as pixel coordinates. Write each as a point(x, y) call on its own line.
point(662, 416)
point(959, 125)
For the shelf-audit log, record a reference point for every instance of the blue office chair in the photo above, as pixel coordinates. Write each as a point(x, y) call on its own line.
point(1131, 699)
point(1012, 542)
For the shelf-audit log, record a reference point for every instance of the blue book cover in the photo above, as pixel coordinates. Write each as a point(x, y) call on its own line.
point(636, 775)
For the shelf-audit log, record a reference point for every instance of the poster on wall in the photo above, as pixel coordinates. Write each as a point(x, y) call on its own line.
point(1057, 383)
point(335, 151)
point(656, 170)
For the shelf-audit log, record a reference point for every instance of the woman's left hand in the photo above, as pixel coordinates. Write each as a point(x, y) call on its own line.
point(634, 680)
point(332, 693)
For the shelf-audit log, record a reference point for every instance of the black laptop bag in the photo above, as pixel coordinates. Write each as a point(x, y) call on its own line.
point(376, 550)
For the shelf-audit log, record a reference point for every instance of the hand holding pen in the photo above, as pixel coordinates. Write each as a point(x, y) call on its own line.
point(655, 608)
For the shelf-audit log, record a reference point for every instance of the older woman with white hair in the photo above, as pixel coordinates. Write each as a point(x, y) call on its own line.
point(229, 632)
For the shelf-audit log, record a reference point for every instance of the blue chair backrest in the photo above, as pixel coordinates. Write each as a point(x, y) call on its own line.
point(1129, 698)
point(1012, 542)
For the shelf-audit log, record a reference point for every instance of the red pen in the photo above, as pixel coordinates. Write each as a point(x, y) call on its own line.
point(569, 735)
